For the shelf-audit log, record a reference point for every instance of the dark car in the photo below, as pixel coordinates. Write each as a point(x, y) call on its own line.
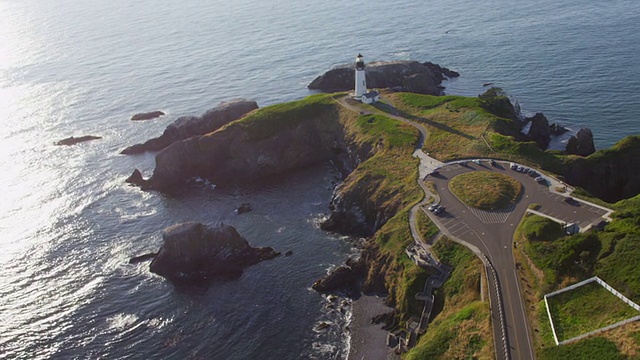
point(532, 173)
point(493, 163)
point(438, 210)
point(540, 180)
point(568, 200)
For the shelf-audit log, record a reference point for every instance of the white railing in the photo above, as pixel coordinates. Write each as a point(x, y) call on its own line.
point(597, 331)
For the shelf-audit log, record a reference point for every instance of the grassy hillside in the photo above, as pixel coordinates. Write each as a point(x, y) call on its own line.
point(462, 329)
point(551, 261)
point(464, 127)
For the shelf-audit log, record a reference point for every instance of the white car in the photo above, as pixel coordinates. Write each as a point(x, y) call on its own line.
point(433, 207)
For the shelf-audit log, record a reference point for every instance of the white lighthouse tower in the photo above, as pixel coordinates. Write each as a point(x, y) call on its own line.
point(360, 92)
point(361, 81)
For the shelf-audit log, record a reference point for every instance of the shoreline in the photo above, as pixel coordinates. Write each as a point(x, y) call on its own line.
point(368, 341)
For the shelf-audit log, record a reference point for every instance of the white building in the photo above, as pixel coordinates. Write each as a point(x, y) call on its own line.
point(361, 93)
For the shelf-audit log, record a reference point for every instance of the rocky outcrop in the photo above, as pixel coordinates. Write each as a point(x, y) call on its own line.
point(540, 132)
point(74, 140)
point(244, 208)
point(612, 174)
point(136, 179)
point(581, 143)
point(343, 278)
point(309, 136)
point(412, 76)
point(194, 254)
point(359, 207)
point(147, 115)
point(189, 126)
point(557, 129)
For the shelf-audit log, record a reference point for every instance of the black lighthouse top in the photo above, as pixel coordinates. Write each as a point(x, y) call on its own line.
point(359, 62)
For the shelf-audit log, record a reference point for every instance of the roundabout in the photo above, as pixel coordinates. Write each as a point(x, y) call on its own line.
point(486, 190)
point(489, 233)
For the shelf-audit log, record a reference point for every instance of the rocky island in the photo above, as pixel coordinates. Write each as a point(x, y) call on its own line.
point(196, 254)
point(401, 75)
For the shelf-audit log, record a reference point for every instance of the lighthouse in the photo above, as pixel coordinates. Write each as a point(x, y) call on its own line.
point(360, 92)
point(361, 81)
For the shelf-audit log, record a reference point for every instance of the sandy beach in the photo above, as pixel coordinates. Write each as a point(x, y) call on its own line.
point(369, 341)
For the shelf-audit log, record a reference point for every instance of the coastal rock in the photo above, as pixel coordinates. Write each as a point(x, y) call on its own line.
point(244, 208)
point(74, 140)
point(194, 254)
point(557, 129)
point(342, 278)
point(539, 131)
point(310, 135)
point(189, 126)
point(136, 179)
point(612, 174)
point(141, 258)
point(400, 75)
point(581, 143)
point(147, 115)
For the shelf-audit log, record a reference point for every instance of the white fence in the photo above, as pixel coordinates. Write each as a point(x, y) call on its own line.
point(597, 331)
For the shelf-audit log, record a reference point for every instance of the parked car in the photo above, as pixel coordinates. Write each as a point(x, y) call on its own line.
point(433, 207)
point(463, 163)
point(568, 200)
point(492, 162)
point(476, 161)
point(540, 180)
point(532, 173)
point(519, 168)
point(513, 166)
point(438, 210)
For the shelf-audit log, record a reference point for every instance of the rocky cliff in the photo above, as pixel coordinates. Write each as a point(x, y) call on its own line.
point(194, 254)
point(273, 142)
point(581, 143)
point(409, 76)
point(188, 126)
point(611, 174)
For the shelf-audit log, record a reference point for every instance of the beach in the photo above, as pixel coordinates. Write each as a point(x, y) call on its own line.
point(368, 340)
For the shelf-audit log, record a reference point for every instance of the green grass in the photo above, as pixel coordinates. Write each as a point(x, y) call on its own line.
point(268, 121)
point(596, 348)
point(486, 190)
point(585, 309)
point(462, 330)
point(426, 227)
point(464, 127)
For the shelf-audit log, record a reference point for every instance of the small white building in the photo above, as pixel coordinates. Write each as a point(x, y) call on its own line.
point(360, 92)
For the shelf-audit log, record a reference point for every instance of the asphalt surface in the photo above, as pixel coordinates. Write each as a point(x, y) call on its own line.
point(492, 234)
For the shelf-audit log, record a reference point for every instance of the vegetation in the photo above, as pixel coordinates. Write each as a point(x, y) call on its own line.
point(464, 127)
point(598, 348)
point(462, 330)
point(585, 309)
point(486, 190)
point(549, 261)
point(270, 120)
point(426, 227)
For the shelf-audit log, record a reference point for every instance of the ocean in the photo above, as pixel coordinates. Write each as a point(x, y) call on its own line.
point(69, 223)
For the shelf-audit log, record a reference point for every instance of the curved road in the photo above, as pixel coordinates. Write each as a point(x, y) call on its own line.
point(492, 234)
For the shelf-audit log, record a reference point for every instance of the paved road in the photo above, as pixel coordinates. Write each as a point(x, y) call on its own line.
point(493, 236)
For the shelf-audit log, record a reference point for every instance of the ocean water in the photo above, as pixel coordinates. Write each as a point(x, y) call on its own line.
point(68, 223)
